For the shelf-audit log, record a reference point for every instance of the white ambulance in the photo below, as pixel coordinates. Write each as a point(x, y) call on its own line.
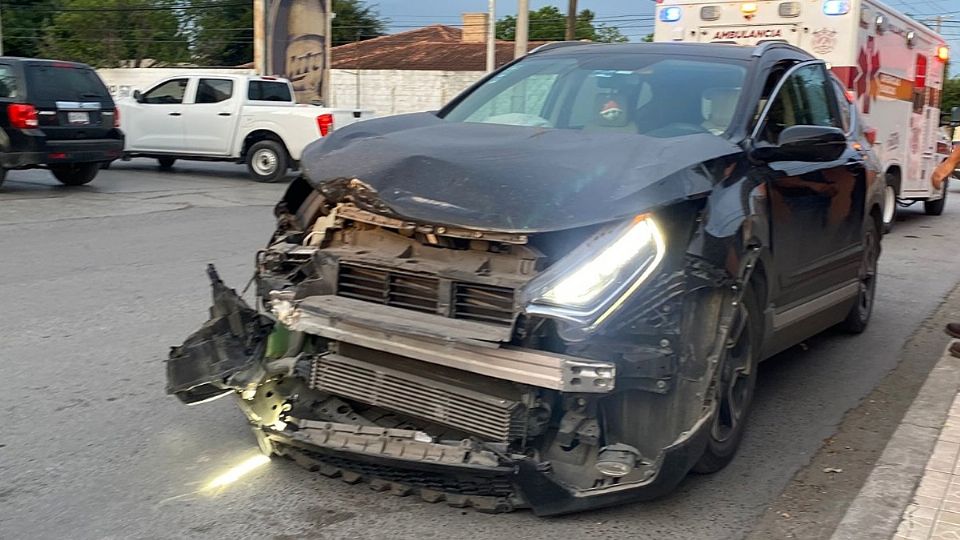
point(892, 64)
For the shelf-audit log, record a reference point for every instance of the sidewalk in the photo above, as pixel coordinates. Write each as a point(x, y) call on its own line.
point(934, 511)
point(913, 492)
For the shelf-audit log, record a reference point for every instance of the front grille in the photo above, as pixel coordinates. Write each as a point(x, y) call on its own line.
point(423, 292)
point(492, 417)
point(399, 289)
point(483, 303)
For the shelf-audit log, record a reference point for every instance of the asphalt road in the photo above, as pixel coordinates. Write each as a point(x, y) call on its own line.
point(98, 281)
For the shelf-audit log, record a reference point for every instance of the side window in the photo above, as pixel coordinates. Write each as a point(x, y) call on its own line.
point(525, 98)
point(170, 92)
point(804, 100)
point(214, 90)
point(268, 91)
point(8, 82)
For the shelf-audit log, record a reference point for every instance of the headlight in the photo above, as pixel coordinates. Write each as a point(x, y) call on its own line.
point(592, 282)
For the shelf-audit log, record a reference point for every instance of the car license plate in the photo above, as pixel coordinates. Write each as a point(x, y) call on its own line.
point(75, 118)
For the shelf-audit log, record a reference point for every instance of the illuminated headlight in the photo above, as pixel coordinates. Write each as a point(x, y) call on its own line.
point(592, 282)
point(670, 14)
point(836, 7)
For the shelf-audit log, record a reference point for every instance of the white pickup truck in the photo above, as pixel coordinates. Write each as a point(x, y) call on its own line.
point(239, 118)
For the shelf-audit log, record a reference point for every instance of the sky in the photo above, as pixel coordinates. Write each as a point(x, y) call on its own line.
point(633, 17)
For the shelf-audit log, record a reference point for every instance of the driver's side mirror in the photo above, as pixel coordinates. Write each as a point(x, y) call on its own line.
point(955, 117)
point(803, 143)
point(137, 96)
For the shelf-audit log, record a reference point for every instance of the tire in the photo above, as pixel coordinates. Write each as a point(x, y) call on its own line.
point(736, 382)
point(3, 176)
point(105, 165)
point(267, 161)
point(889, 205)
point(859, 316)
point(75, 174)
point(166, 163)
point(935, 208)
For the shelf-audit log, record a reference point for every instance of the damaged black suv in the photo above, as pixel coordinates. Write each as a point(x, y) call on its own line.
point(554, 292)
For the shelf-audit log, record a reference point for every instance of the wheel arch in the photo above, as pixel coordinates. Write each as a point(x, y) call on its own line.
point(895, 174)
point(258, 135)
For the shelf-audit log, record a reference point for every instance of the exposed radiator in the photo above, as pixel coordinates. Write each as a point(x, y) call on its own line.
point(431, 398)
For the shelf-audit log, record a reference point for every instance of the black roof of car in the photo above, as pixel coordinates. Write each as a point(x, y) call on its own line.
point(718, 50)
point(14, 59)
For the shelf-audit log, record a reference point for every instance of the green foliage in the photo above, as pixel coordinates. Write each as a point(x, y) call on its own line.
point(549, 24)
point(951, 94)
point(356, 21)
point(23, 25)
point(222, 36)
point(87, 34)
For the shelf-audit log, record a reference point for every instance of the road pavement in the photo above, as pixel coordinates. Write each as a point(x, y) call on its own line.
point(99, 281)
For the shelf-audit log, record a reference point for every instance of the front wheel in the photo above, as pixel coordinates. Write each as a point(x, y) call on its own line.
point(267, 161)
point(935, 208)
point(166, 163)
point(859, 316)
point(734, 386)
point(75, 174)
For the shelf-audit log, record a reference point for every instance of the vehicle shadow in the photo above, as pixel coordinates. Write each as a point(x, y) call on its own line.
point(232, 171)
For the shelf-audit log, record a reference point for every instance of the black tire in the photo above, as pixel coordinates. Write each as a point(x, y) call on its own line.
point(75, 174)
point(935, 208)
point(736, 382)
point(105, 165)
point(890, 204)
point(3, 176)
point(267, 161)
point(166, 163)
point(859, 316)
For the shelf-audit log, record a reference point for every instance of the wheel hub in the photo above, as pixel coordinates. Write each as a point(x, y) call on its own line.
point(264, 162)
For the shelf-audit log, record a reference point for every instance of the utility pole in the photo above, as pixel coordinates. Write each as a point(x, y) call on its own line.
point(939, 23)
point(491, 35)
point(571, 20)
point(523, 28)
point(259, 37)
point(325, 84)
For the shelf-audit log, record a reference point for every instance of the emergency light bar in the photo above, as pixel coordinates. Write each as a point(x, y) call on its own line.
point(836, 7)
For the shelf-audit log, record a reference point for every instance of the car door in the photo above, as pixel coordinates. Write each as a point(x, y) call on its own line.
point(211, 116)
point(154, 122)
point(816, 208)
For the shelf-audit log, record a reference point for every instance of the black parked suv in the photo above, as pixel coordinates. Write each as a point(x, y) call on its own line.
point(57, 115)
point(554, 292)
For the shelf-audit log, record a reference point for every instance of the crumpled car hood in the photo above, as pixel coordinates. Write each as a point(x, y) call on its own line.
point(512, 179)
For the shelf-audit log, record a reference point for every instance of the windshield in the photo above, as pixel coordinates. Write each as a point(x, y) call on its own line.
point(631, 93)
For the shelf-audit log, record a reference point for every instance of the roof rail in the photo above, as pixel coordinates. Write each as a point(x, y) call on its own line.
point(767, 44)
point(558, 45)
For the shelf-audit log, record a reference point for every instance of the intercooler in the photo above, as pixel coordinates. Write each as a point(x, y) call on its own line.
point(481, 406)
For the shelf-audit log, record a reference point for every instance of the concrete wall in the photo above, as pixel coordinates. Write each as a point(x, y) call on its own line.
point(398, 91)
point(123, 81)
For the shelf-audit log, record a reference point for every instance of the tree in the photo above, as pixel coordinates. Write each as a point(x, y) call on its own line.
point(223, 35)
point(111, 33)
point(951, 94)
point(356, 21)
point(23, 24)
point(549, 24)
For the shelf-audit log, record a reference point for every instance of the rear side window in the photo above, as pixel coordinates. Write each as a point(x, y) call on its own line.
point(268, 91)
point(168, 93)
point(214, 90)
point(8, 82)
point(64, 82)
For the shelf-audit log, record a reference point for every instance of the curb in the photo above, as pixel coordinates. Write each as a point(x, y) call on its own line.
point(878, 507)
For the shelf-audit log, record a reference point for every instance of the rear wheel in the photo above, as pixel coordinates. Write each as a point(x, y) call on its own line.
point(267, 161)
point(734, 387)
point(75, 174)
point(166, 163)
point(859, 316)
point(889, 205)
point(935, 208)
point(3, 175)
